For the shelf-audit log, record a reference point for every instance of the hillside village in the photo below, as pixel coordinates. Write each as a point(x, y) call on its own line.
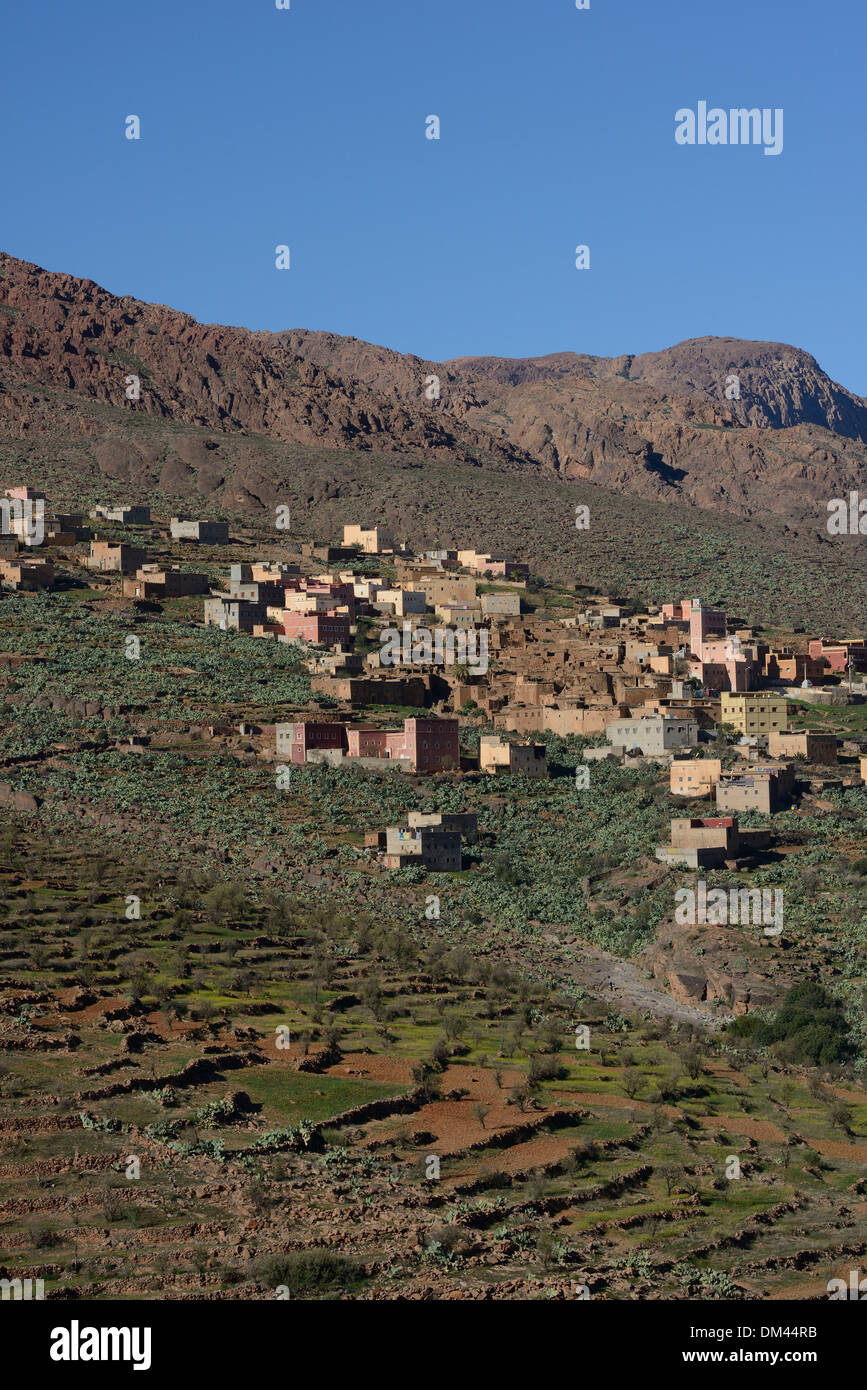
point(433, 677)
point(437, 813)
point(658, 686)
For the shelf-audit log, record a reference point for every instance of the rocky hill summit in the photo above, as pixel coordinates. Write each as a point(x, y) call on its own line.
point(657, 426)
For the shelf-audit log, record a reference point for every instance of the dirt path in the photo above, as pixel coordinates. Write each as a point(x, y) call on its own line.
point(625, 985)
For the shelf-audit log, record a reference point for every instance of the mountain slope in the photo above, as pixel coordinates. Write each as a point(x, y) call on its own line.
point(234, 422)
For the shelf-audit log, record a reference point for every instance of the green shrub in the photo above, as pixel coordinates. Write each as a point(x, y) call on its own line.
point(309, 1273)
point(809, 1027)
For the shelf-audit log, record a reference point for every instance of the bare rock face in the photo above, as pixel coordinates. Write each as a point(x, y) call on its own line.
point(18, 800)
point(714, 964)
point(779, 386)
point(658, 426)
point(60, 332)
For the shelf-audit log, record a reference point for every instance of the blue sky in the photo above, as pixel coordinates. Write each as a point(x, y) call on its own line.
point(306, 127)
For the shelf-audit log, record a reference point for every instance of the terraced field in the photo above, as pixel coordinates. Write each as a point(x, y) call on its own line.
point(244, 1096)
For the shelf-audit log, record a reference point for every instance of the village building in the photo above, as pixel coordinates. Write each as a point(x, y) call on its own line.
point(466, 823)
point(459, 615)
point(427, 847)
point(328, 554)
point(205, 532)
point(20, 493)
point(295, 740)
point(372, 540)
point(596, 619)
point(701, 842)
point(26, 575)
point(124, 513)
point(364, 588)
point(262, 572)
point(295, 602)
point(153, 581)
point(447, 588)
point(790, 668)
point(709, 843)
point(65, 528)
point(500, 605)
point(256, 591)
point(655, 734)
point(813, 747)
point(326, 629)
point(445, 558)
point(764, 787)
point(694, 776)
point(759, 712)
point(226, 613)
point(425, 745)
point(837, 657)
point(335, 663)
point(401, 602)
point(115, 557)
point(497, 755)
point(422, 745)
point(498, 566)
point(415, 690)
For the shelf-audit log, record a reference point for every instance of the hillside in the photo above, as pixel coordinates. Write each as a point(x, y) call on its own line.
point(236, 422)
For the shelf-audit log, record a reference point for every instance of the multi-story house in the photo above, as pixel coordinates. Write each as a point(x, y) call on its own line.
point(754, 713)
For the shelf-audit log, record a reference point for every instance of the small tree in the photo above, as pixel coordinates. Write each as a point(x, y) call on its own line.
point(632, 1082)
point(671, 1175)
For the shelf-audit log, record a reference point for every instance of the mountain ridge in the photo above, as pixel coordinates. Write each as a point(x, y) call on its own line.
point(653, 426)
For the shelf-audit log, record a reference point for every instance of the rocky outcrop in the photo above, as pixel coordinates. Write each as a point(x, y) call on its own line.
point(656, 426)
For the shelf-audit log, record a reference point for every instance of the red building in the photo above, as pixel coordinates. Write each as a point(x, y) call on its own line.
point(374, 743)
point(426, 745)
point(322, 629)
point(309, 735)
point(431, 745)
point(837, 655)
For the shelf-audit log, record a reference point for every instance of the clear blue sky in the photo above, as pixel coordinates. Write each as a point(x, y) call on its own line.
point(307, 127)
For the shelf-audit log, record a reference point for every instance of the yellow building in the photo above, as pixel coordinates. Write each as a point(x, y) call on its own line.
point(373, 540)
point(754, 712)
point(694, 776)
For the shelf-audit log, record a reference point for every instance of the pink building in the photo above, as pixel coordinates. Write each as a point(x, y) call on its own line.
point(837, 655)
point(501, 566)
point(322, 629)
point(309, 735)
point(715, 658)
point(23, 494)
point(426, 745)
point(678, 612)
point(333, 589)
point(705, 625)
point(375, 743)
point(432, 744)
point(723, 666)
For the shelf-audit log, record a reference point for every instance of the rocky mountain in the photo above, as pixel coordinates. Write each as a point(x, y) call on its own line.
point(231, 421)
point(657, 425)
